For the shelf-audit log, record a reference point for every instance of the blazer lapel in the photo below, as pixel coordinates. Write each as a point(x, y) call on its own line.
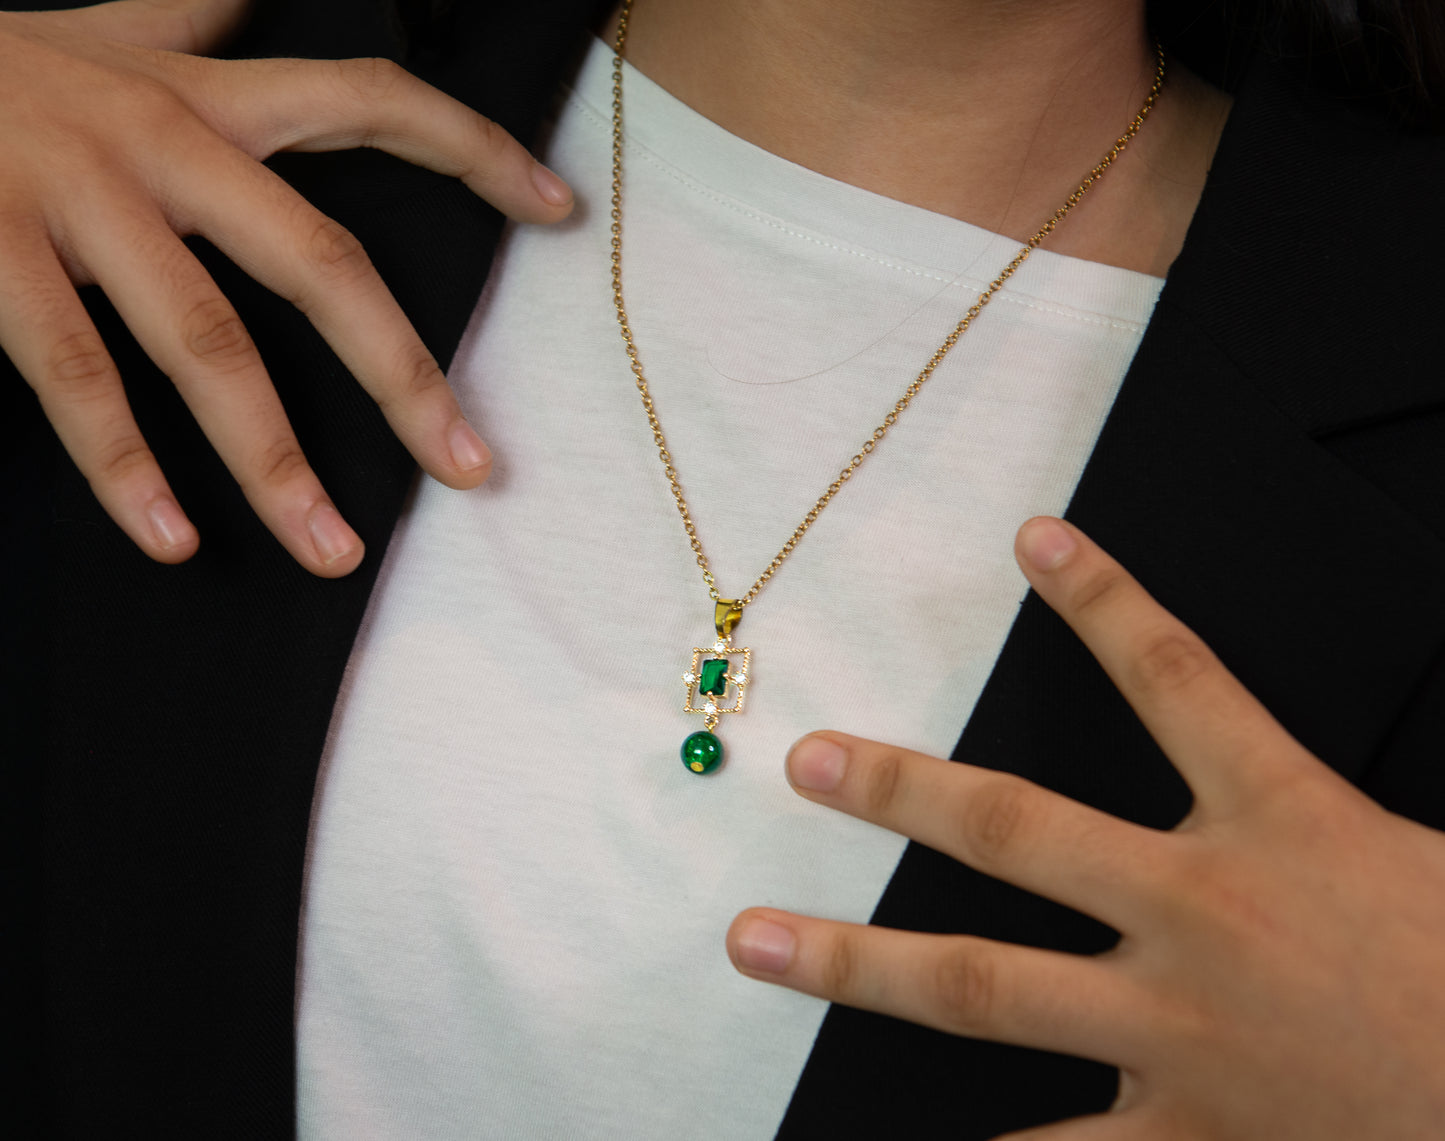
point(1214, 482)
point(184, 709)
point(180, 723)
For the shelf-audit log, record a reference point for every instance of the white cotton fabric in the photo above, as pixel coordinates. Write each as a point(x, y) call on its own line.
point(517, 894)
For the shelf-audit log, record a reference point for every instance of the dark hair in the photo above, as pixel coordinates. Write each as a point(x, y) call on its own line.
point(1387, 52)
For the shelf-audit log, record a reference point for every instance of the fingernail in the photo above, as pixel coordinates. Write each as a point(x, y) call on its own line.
point(1046, 543)
point(169, 523)
point(817, 764)
point(333, 538)
point(763, 945)
point(549, 186)
point(468, 451)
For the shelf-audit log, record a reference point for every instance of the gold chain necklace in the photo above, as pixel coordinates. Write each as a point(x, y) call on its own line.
point(712, 681)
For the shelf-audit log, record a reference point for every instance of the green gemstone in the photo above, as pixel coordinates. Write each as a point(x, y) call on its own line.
point(714, 679)
point(702, 752)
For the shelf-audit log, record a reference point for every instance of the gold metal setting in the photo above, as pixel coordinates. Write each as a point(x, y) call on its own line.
point(728, 611)
point(726, 615)
point(712, 706)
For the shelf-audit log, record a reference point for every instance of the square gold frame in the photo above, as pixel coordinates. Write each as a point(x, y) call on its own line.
point(693, 677)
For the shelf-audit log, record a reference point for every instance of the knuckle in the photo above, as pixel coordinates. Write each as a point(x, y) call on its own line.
point(1098, 590)
point(415, 374)
point(420, 372)
point(79, 366)
point(1183, 1017)
point(336, 250)
point(1310, 797)
point(490, 148)
point(162, 111)
point(492, 139)
point(122, 458)
point(840, 966)
point(212, 332)
point(882, 782)
point(1218, 900)
point(965, 989)
point(280, 462)
point(370, 78)
point(994, 818)
point(142, 114)
point(1231, 915)
point(1169, 661)
point(136, 97)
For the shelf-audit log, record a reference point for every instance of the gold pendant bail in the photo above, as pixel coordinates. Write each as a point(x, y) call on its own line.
point(726, 615)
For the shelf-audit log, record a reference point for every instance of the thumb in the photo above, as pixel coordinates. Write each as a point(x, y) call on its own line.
point(194, 26)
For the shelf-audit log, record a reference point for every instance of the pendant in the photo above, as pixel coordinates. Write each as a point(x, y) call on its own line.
point(711, 683)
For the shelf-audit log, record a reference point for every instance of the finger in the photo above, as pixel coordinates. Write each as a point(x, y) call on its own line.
point(1134, 1125)
point(289, 246)
point(1000, 824)
point(309, 105)
point(52, 342)
point(190, 330)
point(1224, 743)
point(954, 983)
point(166, 25)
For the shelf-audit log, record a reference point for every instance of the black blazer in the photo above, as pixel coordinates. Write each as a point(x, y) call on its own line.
point(1272, 470)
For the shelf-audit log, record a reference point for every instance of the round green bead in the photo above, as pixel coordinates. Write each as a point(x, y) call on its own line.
point(702, 752)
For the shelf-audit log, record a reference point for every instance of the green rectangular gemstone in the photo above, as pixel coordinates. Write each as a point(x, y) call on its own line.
point(714, 678)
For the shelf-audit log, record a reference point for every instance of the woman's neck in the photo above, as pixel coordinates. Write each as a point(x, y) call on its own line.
point(987, 110)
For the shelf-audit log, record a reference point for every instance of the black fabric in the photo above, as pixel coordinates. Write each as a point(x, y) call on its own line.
point(1271, 471)
point(172, 720)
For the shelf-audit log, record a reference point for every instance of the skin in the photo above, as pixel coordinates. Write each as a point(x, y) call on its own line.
point(124, 144)
point(1277, 975)
point(926, 101)
point(1278, 971)
point(116, 146)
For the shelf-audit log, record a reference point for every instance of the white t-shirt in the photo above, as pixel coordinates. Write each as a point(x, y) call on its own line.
point(517, 894)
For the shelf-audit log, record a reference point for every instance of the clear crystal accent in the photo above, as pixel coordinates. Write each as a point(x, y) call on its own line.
point(738, 679)
point(710, 707)
point(689, 678)
point(720, 646)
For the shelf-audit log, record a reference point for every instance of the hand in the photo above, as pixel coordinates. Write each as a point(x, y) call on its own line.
point(115, 145)
point(1279, 973)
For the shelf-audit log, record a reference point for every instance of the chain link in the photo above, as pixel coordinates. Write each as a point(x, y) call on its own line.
point(908, 394)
